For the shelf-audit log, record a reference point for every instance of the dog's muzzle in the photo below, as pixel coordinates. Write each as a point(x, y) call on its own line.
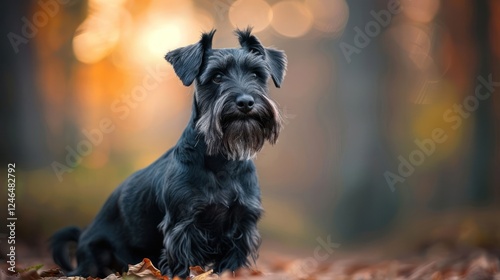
point(238, 126)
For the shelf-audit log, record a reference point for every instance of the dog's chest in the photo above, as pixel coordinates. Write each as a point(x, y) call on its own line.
point(225, 202)
point(214, 215)
point(220, 219)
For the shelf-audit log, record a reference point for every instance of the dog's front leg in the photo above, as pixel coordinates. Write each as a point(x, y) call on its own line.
point(182, 247)
point(244, 251)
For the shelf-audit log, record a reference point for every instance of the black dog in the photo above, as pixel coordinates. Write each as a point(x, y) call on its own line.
point(199, 203)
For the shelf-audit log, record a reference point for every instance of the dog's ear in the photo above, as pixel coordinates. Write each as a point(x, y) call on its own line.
point(187, 60)
point(277, 62)
point(276, 59)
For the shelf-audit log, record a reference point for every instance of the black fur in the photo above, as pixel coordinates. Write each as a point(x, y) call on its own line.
point(199, 203)
point(276, 59)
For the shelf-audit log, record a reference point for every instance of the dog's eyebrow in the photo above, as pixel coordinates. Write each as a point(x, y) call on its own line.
point(256, 63)
point(218, 62)
point(221, 61)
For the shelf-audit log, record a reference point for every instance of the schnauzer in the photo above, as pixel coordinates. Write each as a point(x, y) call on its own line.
point(199, 203)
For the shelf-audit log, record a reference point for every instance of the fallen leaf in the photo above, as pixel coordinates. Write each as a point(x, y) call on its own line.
point(30, 275)
point(245, 272)
point(54, 272)
point(112, 277)
point(209, 275)
point(198, 273)
point(145, 269)
point(195, 271)
point(30, 268)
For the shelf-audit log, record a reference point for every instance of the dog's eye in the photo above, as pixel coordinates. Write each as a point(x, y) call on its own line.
point(217, 79)
point(253, 76)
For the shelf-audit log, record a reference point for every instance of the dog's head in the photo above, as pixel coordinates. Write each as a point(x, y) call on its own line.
point(234, 112)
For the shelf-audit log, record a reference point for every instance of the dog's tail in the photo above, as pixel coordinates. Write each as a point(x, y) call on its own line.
point(59, 245)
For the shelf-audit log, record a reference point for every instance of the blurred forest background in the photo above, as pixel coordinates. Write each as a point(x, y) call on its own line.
point(393, 113)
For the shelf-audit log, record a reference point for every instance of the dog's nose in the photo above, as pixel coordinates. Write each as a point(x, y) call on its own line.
point(245, 103)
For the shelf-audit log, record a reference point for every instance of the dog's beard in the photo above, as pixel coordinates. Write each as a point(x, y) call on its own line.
point(242, 139)
point(236, 136)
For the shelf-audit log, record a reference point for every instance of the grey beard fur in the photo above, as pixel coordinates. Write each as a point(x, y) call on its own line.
point(239, 138)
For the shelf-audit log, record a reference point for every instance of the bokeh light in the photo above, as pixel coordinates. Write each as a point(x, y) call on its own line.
point(159, 34)
point(99, 34)
point(415, 43)
point(94, 42)
point(255, 13)
point(291, 19)
point(161, 37)
point(421, 11)
point(330, 16)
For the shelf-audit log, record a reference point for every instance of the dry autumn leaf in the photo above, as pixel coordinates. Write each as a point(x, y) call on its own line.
point(195, 271)
point(247, 272)
point(112, 277)
point(54, 272)
point(145, 269)
point(198, 273)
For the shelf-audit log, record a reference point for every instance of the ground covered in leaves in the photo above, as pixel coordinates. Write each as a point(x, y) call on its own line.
point(473, 265)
